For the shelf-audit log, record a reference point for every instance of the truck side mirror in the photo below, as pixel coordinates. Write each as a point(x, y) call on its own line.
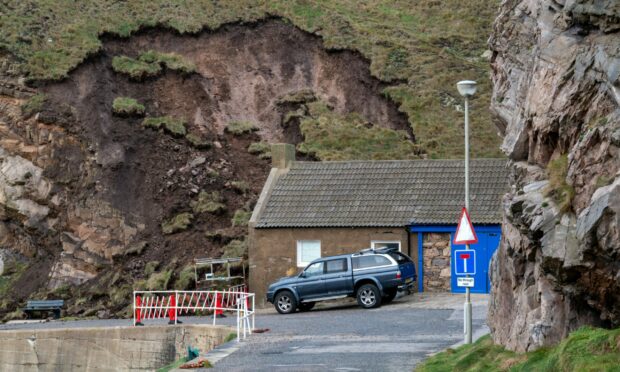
point(303, 274)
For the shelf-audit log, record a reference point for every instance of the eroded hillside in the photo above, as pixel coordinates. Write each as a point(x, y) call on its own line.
point(153, 152)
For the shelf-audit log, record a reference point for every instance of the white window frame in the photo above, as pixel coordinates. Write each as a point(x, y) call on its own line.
point(374, 242)
point(301, 263)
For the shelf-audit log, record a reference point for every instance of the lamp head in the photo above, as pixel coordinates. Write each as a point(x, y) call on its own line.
point(466, 88)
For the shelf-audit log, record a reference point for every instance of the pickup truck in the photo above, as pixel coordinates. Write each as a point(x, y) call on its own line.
point(371, 276)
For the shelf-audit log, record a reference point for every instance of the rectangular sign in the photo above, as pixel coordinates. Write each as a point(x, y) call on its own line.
point(465, 262)
point(465, 282)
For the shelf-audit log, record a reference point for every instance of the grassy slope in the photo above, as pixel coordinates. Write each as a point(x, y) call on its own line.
point(587, 349)
point(427, 45)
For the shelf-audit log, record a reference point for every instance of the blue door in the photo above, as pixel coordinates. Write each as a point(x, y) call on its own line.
point(488, 241)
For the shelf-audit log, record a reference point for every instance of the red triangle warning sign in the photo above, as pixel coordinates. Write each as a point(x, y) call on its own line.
point(465, 233)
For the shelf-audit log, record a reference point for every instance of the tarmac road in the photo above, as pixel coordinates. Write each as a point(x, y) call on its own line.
point(345, 337)
point(338, 337)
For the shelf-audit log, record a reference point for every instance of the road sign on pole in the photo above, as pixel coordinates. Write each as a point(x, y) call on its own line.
point(465, 233)
point(465, 262)
point(465, 282)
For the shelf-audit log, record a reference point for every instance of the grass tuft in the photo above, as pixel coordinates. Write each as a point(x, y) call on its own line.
point(211, 202)
point(241, 127)
point(126, 106)
point(559, 190)
point(241, 218)
point(236, 248)
point(178, 223)
point(173, 126)
point(33, 105)
point(587, 349)
point(197, 141)
point(150, 64)
point(262, 149)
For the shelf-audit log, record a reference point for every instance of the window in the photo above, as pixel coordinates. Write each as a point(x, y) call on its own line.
point(307, 251)
point(364, 262)
point(376, 244)
point(336, 266)
point(314, 270)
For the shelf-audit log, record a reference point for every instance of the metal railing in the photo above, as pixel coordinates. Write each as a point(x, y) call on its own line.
point(171, 304)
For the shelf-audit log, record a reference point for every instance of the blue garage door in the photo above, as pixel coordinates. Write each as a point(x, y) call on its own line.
point(487, 244)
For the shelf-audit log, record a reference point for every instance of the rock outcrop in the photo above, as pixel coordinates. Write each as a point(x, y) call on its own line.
point(555, 70)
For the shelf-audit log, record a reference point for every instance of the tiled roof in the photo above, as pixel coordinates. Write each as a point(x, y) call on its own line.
point(384, 193)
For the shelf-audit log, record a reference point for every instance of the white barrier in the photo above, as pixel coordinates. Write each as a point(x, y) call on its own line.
point(170, 304)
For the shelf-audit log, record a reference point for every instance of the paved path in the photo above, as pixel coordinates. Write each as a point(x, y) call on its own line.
point(338, 337)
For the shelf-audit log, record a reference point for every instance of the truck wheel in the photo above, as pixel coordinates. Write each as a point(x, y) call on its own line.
point(368, 296)
point(285, 302)
point(390, 294)
point(306, 306)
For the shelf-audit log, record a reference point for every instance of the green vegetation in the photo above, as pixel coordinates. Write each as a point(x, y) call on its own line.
point(12, 271)
point(262, 149)
point(176, 127)
point(126, 106)
point(150, 268)
point(135, 68)
point(230, 337)
point(559, 189)
point(240, 127)
point(587, 349)
point(159, 281)
point(240, 186)
point(178, 223)
point(197, 142)
point(330, 136)
point(33, 105)
point(236, 248)
point(300, 96)
point(241, 217)
point(209, 202)
point(150, 64)
point(186, 279)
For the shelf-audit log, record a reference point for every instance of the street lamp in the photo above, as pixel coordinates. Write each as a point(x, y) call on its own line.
point(467, 88)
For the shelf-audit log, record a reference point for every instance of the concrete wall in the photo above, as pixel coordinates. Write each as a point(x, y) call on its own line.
point(104, 349)
point(273, 252)
point(436, 255)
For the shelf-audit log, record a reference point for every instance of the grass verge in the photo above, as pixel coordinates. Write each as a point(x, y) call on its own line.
point(587, 349)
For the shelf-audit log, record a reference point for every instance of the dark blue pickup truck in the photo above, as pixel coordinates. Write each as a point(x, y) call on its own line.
point(372, 276)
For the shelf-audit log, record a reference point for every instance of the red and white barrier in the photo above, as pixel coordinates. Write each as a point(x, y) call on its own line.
point(170, 304)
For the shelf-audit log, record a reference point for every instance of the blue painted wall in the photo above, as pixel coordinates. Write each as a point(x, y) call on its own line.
point(488, 241)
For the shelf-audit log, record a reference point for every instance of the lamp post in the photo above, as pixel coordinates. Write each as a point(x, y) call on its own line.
point(467, 88)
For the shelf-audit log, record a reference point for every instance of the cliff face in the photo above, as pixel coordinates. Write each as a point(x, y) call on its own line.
point(555, 70)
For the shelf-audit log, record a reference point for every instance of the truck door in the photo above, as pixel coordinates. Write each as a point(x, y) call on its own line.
point(338, 278)
point(312, 284)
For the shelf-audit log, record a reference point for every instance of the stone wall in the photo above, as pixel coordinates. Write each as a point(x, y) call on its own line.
point(104, 349)
point(436, 262)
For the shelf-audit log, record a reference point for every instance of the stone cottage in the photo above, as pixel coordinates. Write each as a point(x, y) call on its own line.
point(314, 209)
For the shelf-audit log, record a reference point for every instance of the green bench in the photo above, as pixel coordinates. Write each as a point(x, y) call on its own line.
point(44, 306)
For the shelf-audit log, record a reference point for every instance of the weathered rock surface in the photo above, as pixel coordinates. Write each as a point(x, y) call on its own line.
point(556, 69)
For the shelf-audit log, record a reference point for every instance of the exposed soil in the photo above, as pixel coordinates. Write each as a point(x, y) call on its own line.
point(242, 71)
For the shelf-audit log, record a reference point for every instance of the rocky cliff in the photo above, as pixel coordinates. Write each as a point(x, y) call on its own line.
point(555, 71)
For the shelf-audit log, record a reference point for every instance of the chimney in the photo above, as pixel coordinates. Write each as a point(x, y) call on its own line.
point(282, 155)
